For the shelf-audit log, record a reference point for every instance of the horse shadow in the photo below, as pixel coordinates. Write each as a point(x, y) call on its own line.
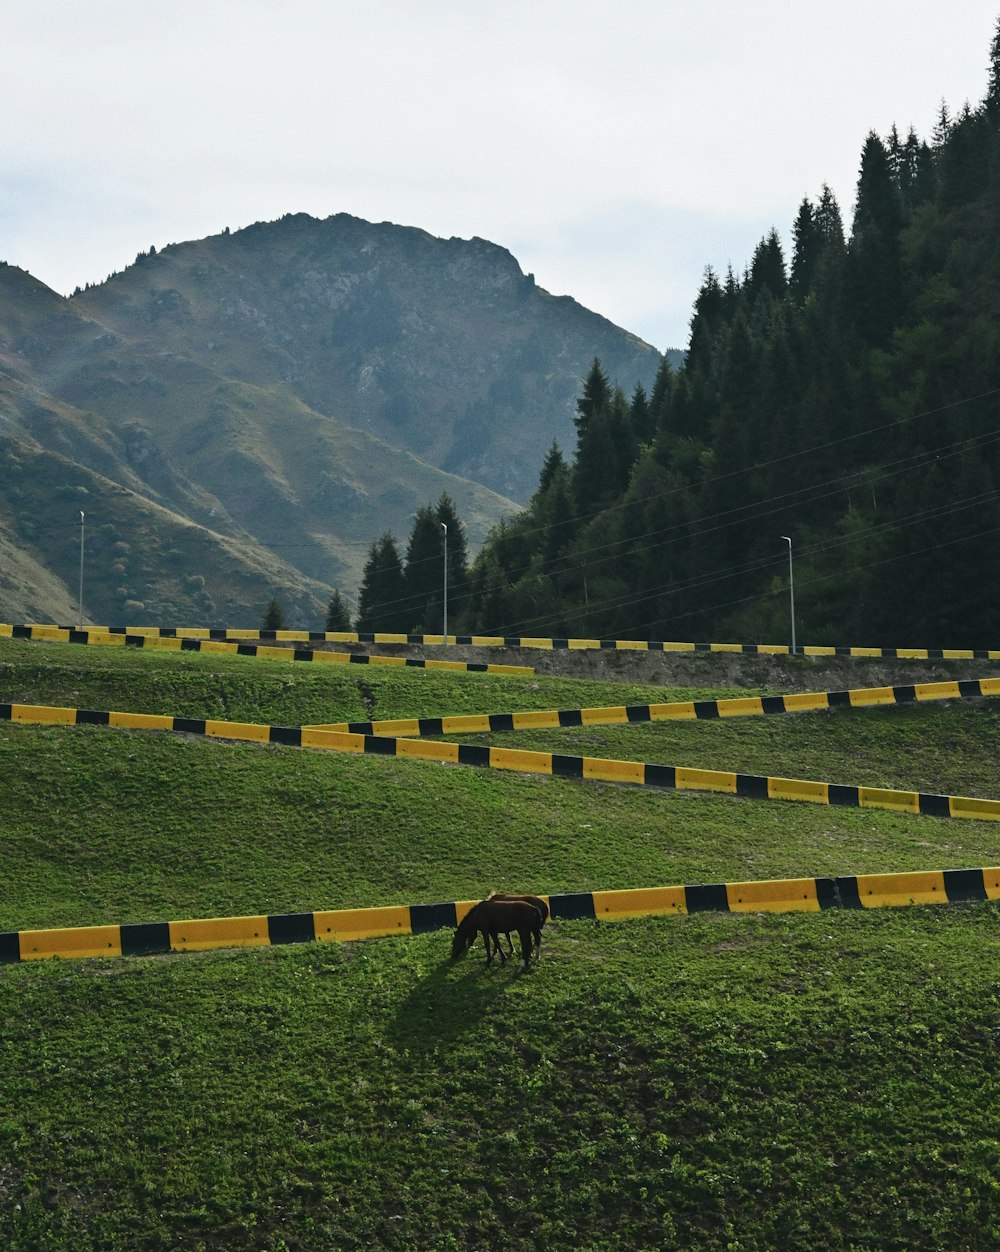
point(450, 1002)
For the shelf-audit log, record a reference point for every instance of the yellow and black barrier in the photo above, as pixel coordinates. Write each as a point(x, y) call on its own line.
point(527, 641)
point(635, 714)
point(854, 891)
point(101, 637)
point(597, 769)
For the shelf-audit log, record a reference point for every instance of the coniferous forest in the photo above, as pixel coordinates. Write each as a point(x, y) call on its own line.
point(845, 398)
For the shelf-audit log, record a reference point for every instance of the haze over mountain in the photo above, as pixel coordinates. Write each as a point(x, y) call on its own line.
point(243, 415)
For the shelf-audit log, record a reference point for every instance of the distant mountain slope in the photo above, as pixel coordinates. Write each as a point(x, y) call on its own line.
point(443, 348)
point(249, 412)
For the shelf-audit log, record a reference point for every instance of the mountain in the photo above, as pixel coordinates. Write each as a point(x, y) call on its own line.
point(241, 416)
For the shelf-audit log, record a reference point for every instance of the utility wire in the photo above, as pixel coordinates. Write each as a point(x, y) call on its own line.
point(701, 581)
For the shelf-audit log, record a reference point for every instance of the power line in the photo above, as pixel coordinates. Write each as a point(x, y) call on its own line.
point(701, 581)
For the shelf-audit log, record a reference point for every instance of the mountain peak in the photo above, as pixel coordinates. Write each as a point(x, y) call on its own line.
point(287, 392)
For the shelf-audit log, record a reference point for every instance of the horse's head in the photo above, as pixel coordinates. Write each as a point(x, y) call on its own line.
point(465, 935)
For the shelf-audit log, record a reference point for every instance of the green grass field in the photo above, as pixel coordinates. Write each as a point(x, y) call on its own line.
point(714, 1081)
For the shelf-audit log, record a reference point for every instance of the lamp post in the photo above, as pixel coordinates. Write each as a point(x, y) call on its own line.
point(81, 571)
point(445, 529)
point(791, 588)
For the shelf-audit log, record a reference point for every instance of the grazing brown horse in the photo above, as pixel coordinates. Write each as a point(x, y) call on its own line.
point(539, 904)
point(491, 918)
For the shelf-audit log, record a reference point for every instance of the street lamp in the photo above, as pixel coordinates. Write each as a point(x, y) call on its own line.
point(445, 529)
point(791, 588)
point(81, 571)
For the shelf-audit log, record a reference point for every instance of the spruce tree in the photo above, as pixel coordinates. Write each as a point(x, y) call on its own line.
point(894, 148)
point(807, 248)
point(963, 163)
point(424, 573)
point(829, 221)
point(706, 321)
point(491, 590)
point(875, 270)
point(824, 324)
point(551, 466)
point(767, 269)
point(382, 598)
point(595, 476)
point(942, 127)
point(274, 616)
point(338, 617)
point(595, 399)
point(640, 416)
point(560, 521)
point(992, 101)
point(458, 559)
point(659, 401)
point(626, 445)
point(915, 174)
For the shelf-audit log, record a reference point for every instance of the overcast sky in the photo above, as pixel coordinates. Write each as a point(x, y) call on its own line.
point(616, 147)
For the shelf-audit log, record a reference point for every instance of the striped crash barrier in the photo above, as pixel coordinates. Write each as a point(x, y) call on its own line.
point(854, 891)
point(557, 765)
point(532, 641)
point(742, 706)
point(176, 643)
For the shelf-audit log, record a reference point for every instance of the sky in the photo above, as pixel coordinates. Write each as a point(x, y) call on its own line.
point(615, 147)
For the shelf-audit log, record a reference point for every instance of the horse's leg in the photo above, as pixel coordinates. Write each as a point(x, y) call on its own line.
point(525, 945)
point(510, 944)
point(499, 946)
point(489, 950)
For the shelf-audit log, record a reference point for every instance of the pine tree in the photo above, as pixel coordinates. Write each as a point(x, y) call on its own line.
point(992, 101)
point(942, 128)
point(730, 490)
point(874, 252)
point(560, 521)
point(640, 415)
point(923, 187)
point(829, 222)
point(826, 315)
point(595, 399)
point(659, 402)
point(706, 321)
point(732, 295)
point(963, 173)
point(896, 155)
point(382, 598)
point(915, 174)
point(595, 476)
point(551, 466)
point(491, 591)
point(807, 249)
point(767, 269)
point(458, 559)
point(338, 617)
point(424, 573)
point(274, 616)
point(625, 443)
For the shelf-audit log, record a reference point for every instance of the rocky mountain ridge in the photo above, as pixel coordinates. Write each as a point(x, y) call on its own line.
point(285, 393)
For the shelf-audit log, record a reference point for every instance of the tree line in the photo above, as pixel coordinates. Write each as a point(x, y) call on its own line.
point(846, 399)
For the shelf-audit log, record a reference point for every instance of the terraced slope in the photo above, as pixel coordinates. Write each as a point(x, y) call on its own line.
point(809, 1080)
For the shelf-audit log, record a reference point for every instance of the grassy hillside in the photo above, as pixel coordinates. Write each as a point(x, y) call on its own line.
point(716, 1082)
point(815, 1080)
point(205, 493)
